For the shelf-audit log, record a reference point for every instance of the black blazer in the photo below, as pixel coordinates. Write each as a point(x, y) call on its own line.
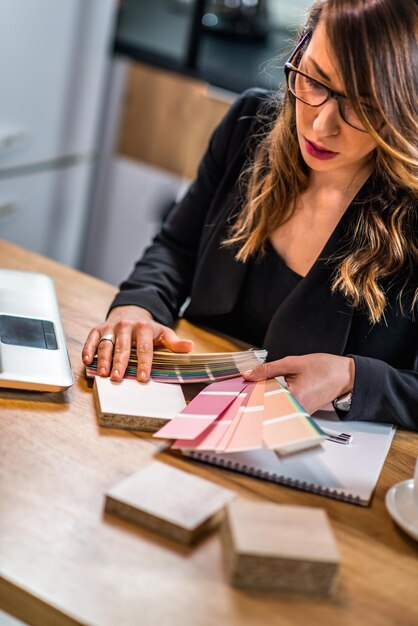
point(187, 261)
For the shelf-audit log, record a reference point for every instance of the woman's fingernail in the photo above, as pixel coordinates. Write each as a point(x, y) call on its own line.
point(102, 370)
point(142, 375)
point(248, 373)
point(115, 372)
point(86, 358)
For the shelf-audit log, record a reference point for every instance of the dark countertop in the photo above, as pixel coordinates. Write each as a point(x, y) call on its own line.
point(157, 32)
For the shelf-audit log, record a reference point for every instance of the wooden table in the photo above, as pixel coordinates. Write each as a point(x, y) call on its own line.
point(62, 561)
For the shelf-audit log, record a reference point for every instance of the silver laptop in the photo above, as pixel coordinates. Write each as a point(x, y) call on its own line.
point(33, 352)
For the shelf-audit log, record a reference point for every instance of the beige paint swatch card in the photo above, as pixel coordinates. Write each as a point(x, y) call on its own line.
point(136, 406)
point(169, 501)
point(280, 548)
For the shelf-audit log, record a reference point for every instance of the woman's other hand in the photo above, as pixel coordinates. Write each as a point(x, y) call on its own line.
point(314, 380)
point(130, 326)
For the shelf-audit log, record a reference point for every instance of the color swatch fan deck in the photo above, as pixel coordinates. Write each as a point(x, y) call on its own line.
point(173, 367)
point(236, 415)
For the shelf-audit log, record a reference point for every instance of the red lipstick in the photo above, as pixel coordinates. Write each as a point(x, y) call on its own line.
point(317, 152)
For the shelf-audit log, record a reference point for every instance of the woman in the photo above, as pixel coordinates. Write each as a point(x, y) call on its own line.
point(300, 233)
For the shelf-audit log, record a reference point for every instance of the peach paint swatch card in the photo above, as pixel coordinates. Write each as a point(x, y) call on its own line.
point(249, 431)
point(235, 420)
point(286, 426)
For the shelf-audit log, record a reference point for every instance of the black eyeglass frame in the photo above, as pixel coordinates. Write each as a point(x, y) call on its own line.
point(339, 97)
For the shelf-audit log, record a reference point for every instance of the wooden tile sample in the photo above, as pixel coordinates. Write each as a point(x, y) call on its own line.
point(136, 406)
point(275, 547)
point(169, 501)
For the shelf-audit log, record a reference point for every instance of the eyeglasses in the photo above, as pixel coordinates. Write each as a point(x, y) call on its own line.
point(314, 93)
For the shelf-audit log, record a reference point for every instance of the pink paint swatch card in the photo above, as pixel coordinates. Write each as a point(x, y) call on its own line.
point(211, 437)
point(203, 410)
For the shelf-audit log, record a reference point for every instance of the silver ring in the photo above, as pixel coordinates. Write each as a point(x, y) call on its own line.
point(108, 337)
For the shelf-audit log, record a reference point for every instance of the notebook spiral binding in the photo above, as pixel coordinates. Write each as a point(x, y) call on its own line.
point(275, 478)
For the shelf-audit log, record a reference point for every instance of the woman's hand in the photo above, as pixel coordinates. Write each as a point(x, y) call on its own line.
point(314, 379)
point(129, 325)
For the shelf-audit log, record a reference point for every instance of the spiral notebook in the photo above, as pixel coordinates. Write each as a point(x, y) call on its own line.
point(343, 472)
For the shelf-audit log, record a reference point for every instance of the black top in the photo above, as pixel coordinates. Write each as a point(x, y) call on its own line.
point(267, 283)
point(187, 261)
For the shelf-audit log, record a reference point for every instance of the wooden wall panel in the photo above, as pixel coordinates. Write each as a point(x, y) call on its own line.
point(168, 118)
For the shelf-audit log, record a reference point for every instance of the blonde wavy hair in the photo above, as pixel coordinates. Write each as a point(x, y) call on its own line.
point(381, 38)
